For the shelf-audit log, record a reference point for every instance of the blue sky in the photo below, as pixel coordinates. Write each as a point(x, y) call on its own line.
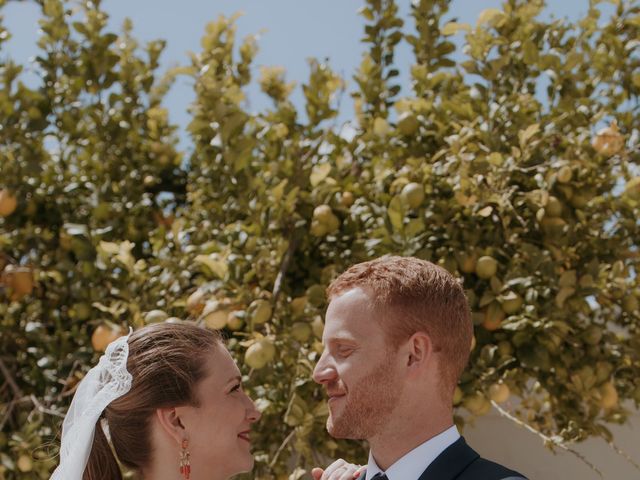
point(293, 31)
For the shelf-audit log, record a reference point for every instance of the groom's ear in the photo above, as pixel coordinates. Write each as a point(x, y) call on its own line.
point(170, 423)
point(419, 350)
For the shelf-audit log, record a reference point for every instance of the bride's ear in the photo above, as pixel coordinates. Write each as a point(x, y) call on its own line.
point(169, 421)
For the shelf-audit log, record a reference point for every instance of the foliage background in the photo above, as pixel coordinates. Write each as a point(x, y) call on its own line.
point(118, 226)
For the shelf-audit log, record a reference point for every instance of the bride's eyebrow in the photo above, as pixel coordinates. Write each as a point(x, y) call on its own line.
point(236, 378)
point(342, 340)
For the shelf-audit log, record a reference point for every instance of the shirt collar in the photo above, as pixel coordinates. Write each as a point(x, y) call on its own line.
point(414, 463)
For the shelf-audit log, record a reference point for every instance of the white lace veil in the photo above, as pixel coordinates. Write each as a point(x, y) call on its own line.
point(105, 382)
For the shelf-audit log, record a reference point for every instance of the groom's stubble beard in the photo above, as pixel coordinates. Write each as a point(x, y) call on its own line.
point(370, 404)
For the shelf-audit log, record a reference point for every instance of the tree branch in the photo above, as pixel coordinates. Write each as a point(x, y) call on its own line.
point(17, 392)
point(7, 413)
point(550, 440)
point(281, 447)
point(623, 454)
point(284, 266)
point(44, 409)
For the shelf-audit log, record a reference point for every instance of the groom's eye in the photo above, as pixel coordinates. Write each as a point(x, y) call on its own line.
point(236, 388)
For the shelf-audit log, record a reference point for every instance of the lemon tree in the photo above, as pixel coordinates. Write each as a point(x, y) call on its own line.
point(513, 163)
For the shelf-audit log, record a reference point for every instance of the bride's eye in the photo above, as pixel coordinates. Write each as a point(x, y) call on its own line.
point(345, 352)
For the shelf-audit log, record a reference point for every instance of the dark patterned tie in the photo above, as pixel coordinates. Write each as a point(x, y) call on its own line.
point(379, 476)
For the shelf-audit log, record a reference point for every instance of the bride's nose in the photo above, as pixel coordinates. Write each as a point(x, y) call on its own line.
point(253, 414)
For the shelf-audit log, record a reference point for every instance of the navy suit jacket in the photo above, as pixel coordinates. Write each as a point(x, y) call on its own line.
point(461, 462)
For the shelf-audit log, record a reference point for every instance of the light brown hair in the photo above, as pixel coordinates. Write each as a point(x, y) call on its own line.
point(166, 362)
point(414, 295)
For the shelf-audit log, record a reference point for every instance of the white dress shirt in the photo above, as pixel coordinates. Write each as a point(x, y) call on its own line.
point(414, 463)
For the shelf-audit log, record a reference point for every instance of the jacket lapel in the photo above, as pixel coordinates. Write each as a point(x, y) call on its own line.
point(449, 464)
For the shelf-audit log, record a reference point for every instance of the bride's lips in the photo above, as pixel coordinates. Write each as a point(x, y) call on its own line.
point(245, 436)
point(333, 397)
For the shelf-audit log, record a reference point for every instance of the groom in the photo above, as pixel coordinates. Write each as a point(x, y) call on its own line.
point(397, 337)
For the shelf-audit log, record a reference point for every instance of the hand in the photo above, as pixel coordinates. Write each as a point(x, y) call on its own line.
point(338, 470)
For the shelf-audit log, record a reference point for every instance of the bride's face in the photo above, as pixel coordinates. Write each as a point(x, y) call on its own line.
point(219, 427)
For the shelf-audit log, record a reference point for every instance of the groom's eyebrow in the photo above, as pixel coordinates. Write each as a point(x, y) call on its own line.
point(237, 378)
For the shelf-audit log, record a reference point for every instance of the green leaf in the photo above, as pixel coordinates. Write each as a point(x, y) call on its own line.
point(491, 16)
point(495, 159)
point(319, 173)
point(214, 265)
point(528, 133)
point(568, 279)
point(414, 227)
point(108, 248)
point(530, 52)
point(396, 213)
point(452, 28)
point(486, 211)
point(278, 191)
point(563, 295)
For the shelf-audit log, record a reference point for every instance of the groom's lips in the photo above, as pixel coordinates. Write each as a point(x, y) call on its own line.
point(245, 436)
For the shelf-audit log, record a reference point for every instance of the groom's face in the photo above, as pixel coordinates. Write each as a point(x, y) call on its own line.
point(360, 371)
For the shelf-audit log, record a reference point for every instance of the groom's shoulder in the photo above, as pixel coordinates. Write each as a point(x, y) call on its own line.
point(483, 469)
point(480, 468)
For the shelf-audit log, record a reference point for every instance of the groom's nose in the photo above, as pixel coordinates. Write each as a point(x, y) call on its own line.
point(324, 372)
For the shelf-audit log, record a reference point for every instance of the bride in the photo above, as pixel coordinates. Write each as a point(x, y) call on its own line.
point(169, 398)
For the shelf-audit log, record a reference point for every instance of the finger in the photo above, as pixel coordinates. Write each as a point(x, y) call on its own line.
point(337, 474)
point(347, 475)
point(360, 471)
point(316, 473)
point(332, 468)
point(351, 471)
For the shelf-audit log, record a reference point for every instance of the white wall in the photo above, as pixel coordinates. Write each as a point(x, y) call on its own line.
point(501, 440)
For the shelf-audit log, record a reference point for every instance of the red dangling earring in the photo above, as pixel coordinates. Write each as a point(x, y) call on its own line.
point(185, 464)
